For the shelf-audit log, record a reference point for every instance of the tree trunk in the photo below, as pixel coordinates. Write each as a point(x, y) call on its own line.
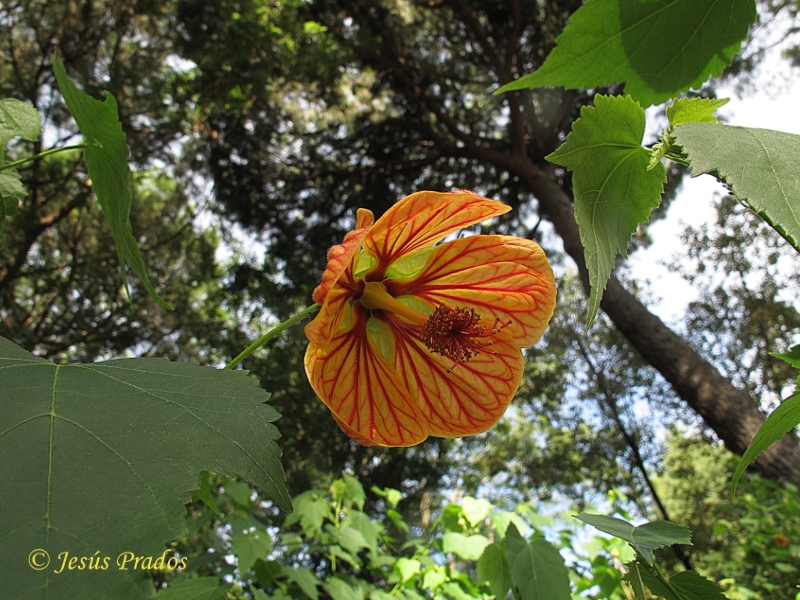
point(732, 414)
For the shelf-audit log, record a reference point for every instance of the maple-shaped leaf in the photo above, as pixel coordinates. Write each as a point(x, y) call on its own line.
point(99, 459)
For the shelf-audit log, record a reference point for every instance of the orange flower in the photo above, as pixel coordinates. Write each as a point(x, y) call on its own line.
point(415, 338)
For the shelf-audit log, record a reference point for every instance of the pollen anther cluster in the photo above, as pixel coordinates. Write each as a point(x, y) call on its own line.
point(457, 333)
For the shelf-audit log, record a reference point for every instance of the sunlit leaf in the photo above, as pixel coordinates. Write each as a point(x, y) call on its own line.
point(107, 162)
point(658, 48)
point(407, 568)
point(310, 510)
point(391, 496)
point(455, 591)
point(694, 110)
point(469, 547)
point(11, 192)
point(501, 520)
point(103, 457)
point(354, 490)
point(433, 578)
point(761, 166)
point(369, 529)
point(18, 119)
point(792, 357)
point(613, 186)
point(475, 510)
point(348, 538)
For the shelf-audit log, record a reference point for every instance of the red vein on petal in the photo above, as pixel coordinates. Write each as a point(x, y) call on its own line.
point(499, 276)
point(361, 389)
point(468, 400)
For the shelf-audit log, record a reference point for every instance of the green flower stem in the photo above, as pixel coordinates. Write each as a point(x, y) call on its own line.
point(272, 333)
point(28, 159)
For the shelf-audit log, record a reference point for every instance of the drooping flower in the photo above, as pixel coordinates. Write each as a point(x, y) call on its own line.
point(417, 338)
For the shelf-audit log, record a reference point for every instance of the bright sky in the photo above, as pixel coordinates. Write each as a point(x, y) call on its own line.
point(773, 106)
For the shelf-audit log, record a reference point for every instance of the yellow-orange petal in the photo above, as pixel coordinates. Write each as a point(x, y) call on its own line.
point(501, 277)
point(341, 255)
point(462, 399)
point(365, 395)
point(333, 299)
point(422, 219)
point(320, 330)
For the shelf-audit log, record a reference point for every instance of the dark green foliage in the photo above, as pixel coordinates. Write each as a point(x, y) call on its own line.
point(749, 542)
point(330, 546)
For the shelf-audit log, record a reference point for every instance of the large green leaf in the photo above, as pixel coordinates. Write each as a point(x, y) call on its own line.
point(107, 163)
point(99, 459)
point(659, 48)
point(614, 189)
point(539, 573)
point(761, 166)
point(493, 568)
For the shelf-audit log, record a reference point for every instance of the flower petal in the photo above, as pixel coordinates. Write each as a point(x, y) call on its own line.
point(330, 317)
point(332, 298)
point(422, 219)
point(501, 277)
point(341, 255)
point(468, 399)
point(367, 398)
